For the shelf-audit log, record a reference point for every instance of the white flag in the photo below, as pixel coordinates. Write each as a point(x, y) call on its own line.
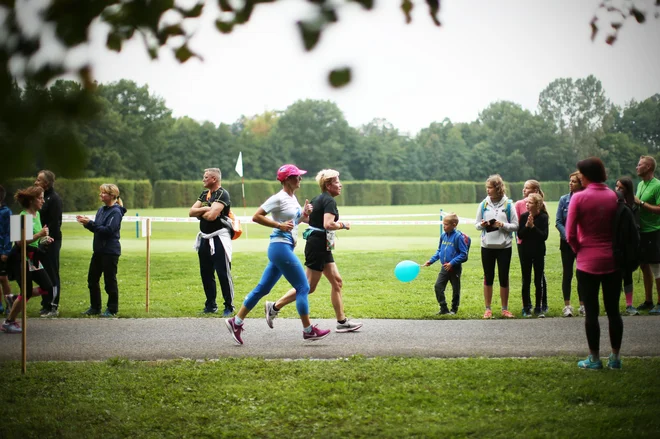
point(239, 164)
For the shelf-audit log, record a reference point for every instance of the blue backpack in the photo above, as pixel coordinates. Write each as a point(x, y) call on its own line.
point(468, 243)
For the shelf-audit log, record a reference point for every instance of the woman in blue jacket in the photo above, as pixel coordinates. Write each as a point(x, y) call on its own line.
point(567, 254)
point(107, 249)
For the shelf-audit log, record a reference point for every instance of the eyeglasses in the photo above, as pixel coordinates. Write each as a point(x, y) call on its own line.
point(296, 177)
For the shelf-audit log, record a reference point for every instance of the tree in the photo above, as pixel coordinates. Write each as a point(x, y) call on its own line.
point(641, 121)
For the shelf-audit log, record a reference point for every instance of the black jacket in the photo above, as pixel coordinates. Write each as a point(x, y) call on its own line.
point(51, 214)
point(106, 227)
point(533, 238)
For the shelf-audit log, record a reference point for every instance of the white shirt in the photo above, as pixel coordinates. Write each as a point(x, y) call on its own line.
point(284, 207)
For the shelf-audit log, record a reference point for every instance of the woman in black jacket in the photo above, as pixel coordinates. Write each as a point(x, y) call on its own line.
point(106, 226)
point(624, 188)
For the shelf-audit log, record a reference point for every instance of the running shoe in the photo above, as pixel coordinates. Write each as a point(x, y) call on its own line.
point(646, 306)
point(348, 326)
point(589, 363)
point(527, 312)
point(91, 312)
point(270, 313)
point(488, 314)
point(108, 313)
point(582, 311)
point(632, 311)
point(11, 327)
point(316, 334)
point(227, 313)
point(568, 311)
point(235, 330)
point(507, 314)
point(613, 363)
point(52, 313)
point(655, 311)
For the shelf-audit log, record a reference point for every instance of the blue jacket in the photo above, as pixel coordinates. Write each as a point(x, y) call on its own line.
point(5, 243)
point(562, 215)
point(106, 227)
point(452, 249)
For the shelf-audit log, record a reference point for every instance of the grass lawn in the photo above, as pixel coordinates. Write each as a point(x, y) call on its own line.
point(350, 397)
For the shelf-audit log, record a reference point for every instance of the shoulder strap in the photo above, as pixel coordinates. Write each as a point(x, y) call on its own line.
point(508, 210)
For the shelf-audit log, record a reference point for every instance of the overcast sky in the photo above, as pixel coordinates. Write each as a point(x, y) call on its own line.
point(411, 75)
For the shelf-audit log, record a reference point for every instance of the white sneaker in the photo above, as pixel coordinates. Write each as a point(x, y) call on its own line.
point(270, 313)
point(348, 326)
point(581, 310)
point(568, 311)
point(632, 311)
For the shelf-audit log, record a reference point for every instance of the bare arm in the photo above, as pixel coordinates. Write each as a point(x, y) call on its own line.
point(260, 218)
point(330, 224)
point(214, 211)
point(197, 210)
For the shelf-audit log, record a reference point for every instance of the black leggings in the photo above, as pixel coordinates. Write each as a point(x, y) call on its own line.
point(536, 261)
point(567, 262)
point(503, 258)
point(589, 284)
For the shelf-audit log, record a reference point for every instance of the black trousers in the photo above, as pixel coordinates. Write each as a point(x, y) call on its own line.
point(52, 265)
point(208, 264)
point(589, 284)
point(105, 265)
point(567, 263)
point(454, 277)
point(529, 260)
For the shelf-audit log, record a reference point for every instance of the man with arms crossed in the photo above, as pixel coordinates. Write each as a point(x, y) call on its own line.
point(213, 243)
point(648, 199)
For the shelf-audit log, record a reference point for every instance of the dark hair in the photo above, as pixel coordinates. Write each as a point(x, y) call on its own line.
point(26, 196)
point(628, 195)
point(49, 176)
point(592, 168)
point(3, 194)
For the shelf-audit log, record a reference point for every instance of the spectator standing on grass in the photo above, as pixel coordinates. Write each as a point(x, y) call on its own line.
point(624, 188)
point(531, 187)
point(533, 231)
point(589, 232)
point(452, 252)
point(31, 199)
point(648, 200)
point(213, 244)
point(51, 216)
point(106, 227)
point(320, 237)
point(567, 253)
point(5, 249)
point(497, 222)
point(286, 215)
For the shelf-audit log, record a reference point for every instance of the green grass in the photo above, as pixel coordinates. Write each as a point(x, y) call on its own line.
point(349, 397)
point(366, 257)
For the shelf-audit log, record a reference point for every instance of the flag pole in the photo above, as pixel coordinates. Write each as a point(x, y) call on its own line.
point(239, 171)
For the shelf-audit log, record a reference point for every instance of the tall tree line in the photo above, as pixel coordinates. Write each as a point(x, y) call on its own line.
point(135, 136)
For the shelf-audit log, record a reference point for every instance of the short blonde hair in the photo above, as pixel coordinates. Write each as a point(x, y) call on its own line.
point(537, 201)
point(650, 160)
point(452, 217)
point(496, 181)
point(110, 189)
point(325, 176)
point(215, 172)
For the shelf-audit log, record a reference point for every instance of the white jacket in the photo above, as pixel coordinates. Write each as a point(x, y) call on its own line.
point(488, 210)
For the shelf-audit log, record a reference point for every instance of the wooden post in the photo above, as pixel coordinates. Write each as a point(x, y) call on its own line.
point(148, 259)
point(23, 290)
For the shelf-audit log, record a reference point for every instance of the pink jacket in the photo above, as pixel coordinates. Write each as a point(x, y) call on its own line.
point(589, 228)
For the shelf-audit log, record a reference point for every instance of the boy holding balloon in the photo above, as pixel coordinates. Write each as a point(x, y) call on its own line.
point(452, 252)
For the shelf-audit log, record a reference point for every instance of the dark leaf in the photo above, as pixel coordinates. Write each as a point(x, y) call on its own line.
point(639, 15)
point(340, 77)
point(616, 26)
point(610, 39)
point(7, 3)
point(224, 27)
point(113, 42)
point(85, 74)
point(366, 4)
point(330, 14)
point(225, 6)
point(594, 28)
point(168, 31)
point(153, 52)
point(47, 73)
point(183, 54)
point(434, 9)
point(310, 34)
point(406, 7)
point(195, 11)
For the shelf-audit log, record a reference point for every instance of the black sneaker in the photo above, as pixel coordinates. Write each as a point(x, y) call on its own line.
point(645, 306)
point(453, 311)
point(210, 310)
point(443, 310)
point(91, 312)
point(44, 311)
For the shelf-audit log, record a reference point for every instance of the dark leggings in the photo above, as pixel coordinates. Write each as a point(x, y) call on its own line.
point(611, 283)
point(536, 261)
point(567, 262)
point(503, 258)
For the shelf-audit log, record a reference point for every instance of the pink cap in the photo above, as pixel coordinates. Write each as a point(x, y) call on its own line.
point(287, 171)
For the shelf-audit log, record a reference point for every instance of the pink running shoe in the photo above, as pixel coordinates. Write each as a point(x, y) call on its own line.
point(235, 330)
point(316, 334)
point(507, 314)
point(488, 314)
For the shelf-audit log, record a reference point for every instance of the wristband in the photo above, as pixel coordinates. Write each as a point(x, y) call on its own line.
point(641, 203)
point(341, 225)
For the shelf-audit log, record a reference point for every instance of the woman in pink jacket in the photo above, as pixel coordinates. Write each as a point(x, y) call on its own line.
point(589, 233)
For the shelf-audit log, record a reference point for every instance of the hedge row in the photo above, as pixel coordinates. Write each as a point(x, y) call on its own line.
point(78, 195)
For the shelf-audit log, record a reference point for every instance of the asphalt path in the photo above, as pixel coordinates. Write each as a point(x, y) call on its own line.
point(208, 338)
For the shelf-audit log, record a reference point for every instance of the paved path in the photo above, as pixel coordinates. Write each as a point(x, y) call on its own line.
point(208, 338)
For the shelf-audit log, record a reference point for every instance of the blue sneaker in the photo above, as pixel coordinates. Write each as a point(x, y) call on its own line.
point(2, 308)
point(526, 312)
point(108, 313)
point(613, 363)
point(227, 313)
point(589, 363)
point(655, 311)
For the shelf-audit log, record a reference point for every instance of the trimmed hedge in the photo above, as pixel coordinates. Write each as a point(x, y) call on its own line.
point(82, 194)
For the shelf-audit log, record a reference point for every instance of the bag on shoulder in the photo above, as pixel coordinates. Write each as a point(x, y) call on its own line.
point(625, 238)
point(233, 224)
point(468, 243)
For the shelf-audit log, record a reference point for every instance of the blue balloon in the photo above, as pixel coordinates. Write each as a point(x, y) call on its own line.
point(406, 271)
